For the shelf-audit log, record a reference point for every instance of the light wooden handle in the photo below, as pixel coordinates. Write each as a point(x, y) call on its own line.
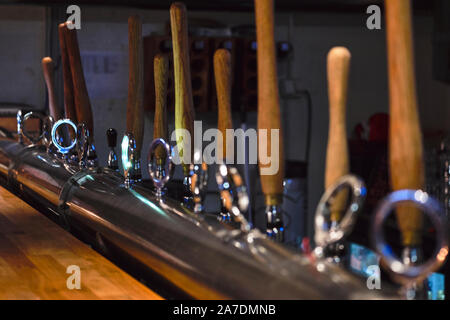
point(81, 97)
point(69, 102)
point(268, 98)
point(405, 141)
point(184, 106)
point(135, 106)
point(160, 130)
point(222, 76)
point(49, 76)
point(337, 163)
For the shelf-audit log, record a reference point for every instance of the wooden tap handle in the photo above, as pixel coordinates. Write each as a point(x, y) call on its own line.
point(69, 102)
point(81, 97)
point(135, 106)
point(405, 141)
point(184, 110)
point(161, 74)
point(268, 100)
point(337, 163)
point(49, 76)
point(222, 76)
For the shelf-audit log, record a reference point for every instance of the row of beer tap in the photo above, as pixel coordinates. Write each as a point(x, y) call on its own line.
point(70, 137)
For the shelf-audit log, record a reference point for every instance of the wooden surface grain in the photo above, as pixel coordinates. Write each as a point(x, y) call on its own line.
point(48, 68)
point(184, 105)
point(268, 99)
point(35, 254)
point(337, 162)
point(135, 104)
point(405, 139)
point(69, 102)
point(222, 76)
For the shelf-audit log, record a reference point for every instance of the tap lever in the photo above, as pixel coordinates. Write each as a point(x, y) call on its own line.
point(328, 235)
point(111, 135)
point(406, 271)
point(158, 171)
point(233, 194)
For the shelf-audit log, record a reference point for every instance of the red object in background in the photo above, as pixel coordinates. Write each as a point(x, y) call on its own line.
point(379, 127)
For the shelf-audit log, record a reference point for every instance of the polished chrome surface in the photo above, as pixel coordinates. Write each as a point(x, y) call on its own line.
point(404, 271)
point(19, 118)
point(112, 163)
point(275, 225)
point(130, 160)
point(233, 195)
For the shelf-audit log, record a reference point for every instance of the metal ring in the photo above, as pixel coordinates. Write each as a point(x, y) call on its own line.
point(25, 133)
point(326, 234)
point(59, 123)
point(432, 208)
point(159, 183)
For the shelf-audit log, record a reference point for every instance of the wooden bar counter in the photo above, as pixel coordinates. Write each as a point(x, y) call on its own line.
point(35, 254)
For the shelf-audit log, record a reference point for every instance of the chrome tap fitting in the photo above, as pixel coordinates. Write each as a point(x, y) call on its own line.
point(130, 160)
point(162, 173)
point(113, 163)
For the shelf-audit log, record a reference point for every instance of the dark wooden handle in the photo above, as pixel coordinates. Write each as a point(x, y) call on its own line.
point(69, 102)
point(222, 76)
point(268, 99)
point(184, 106)
point(337, 163)
point(405, 140)
point(161, 73)
point(135, 107)
point(49, 76)
point(81, 97)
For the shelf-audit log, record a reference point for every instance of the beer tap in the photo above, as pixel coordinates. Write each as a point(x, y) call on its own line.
point(269, 120)
point(337, 163)
point(111, 135)
point(135, 111)
point(406, 162)
point(234, 198)
point(184, 110)
point(83, 109)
